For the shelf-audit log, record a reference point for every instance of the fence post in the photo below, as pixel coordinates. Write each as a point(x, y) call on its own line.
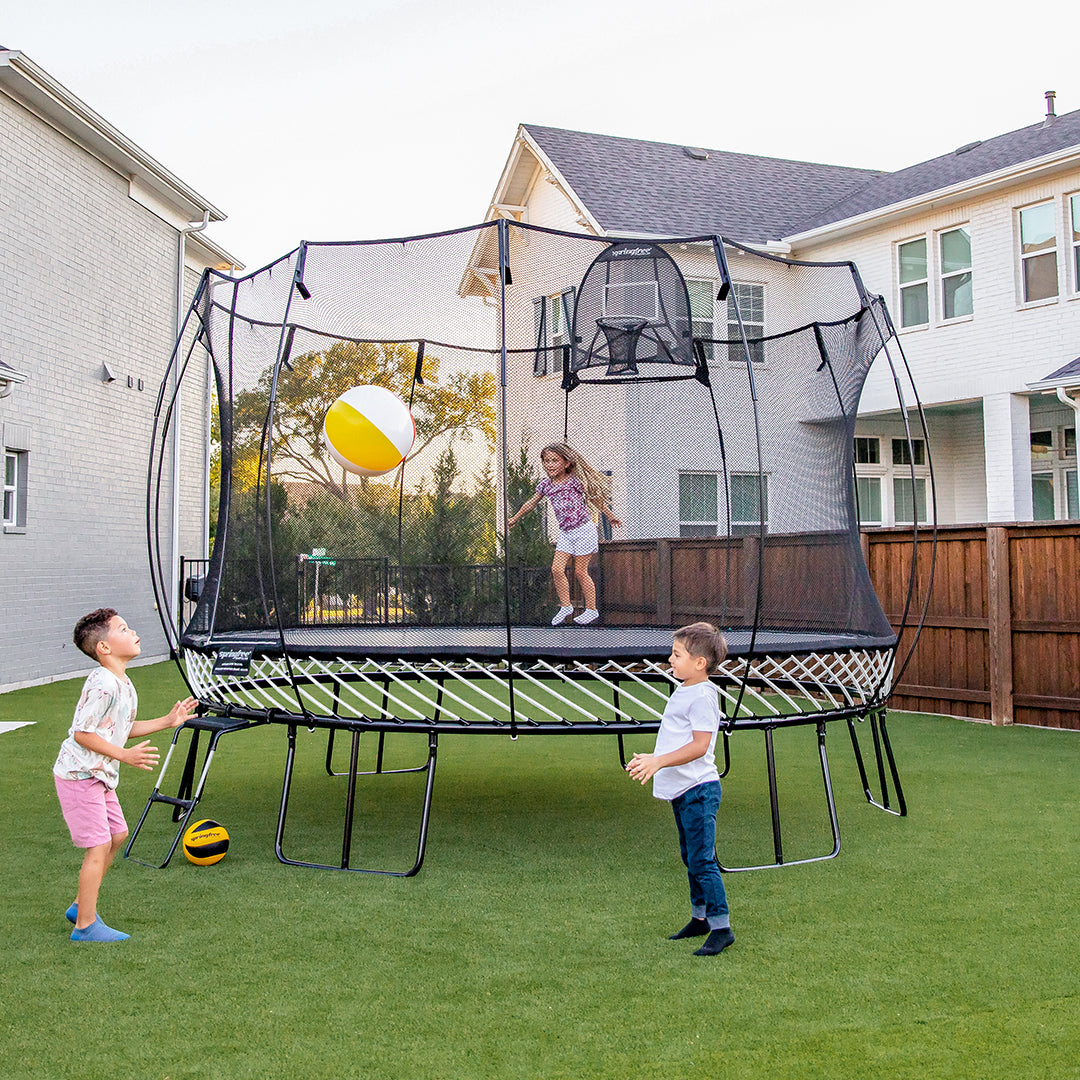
point(999, 604)
point(663, 583)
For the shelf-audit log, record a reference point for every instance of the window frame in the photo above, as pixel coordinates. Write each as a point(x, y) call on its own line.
point(1024, 258)
point(13, 508)
point(945, 276)
point(914, 283)
point(735, 351)
point(1073, 227)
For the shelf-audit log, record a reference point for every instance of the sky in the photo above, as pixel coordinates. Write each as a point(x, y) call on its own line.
point(365, 119)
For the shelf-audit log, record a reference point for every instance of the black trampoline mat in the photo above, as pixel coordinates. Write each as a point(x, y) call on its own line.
point(559, 642)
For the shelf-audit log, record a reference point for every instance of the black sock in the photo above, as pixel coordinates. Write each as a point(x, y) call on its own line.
point(694, 928)
point(716, 942)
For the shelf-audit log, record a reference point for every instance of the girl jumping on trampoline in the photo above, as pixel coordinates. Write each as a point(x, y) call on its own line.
point(572, 485)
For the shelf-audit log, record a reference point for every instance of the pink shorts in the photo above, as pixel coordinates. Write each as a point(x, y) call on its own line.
point(91, 810)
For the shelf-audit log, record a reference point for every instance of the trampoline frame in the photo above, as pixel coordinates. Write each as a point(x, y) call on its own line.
point(768, 680)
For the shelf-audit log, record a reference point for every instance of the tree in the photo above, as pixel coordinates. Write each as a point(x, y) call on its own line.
point(460, 406)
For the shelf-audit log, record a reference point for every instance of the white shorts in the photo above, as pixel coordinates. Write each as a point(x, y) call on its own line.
point(581, 540)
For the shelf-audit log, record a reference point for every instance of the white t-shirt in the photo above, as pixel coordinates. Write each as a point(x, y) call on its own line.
point(689, 709)
point(107, 707)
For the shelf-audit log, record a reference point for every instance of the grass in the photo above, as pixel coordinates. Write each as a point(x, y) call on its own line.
point(533, 942)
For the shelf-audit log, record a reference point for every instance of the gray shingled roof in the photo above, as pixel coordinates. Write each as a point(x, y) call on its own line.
point(1069, 372)
point(634, 186)
point(630, 185)
point(1000, 152)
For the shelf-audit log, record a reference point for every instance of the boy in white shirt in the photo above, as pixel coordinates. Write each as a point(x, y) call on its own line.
point(683, 770)
point(87, 768)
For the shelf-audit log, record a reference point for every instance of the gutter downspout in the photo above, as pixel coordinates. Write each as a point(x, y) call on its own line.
point(174, 572)
point(1063, 396)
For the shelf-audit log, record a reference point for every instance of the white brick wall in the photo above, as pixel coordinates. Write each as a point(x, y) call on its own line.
point(984, 359)
point(87, 276)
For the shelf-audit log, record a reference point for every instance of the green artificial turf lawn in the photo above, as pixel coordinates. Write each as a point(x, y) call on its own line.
point(533, 943)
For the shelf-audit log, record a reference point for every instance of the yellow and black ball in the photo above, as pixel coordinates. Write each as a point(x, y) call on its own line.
point(206, 842)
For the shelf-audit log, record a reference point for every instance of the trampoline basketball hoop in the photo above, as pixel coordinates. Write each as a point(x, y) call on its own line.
point(632, 308)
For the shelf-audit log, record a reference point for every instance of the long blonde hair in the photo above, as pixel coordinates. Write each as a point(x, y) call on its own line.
point(597, 486)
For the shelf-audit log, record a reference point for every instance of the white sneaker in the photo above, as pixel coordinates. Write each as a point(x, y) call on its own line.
point(587, 616)
point(562, 615)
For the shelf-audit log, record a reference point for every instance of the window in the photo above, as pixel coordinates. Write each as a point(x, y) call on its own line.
point(702, 311)
point(1042, 496)
point(905, 504)
point(905, 453)
point(914, 283)
point(956, 298)
point(867, 451)
point(1053, 473)
point(698, 504)
point(552, 320)
point(1074, 214)
point(700, 507)
point(14, 490)
point(751, 307)
point(868, 493)
point(749, 502)
point(891, 480)
point(1038, 252)
point(909, 496)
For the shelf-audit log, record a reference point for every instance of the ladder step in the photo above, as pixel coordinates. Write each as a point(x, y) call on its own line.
point(185, 804)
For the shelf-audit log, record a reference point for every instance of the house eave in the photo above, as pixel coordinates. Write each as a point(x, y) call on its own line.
point(1035, 169)
point(36, 90)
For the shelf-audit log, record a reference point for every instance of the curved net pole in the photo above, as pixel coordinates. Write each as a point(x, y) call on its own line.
point(913, 576)
point(284, 347)
point(718, 248)
point(504, 280)
point(418, 377)
point(155, 469)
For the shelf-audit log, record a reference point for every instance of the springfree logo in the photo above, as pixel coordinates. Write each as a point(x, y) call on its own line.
point(619, 252)
point(233, 661)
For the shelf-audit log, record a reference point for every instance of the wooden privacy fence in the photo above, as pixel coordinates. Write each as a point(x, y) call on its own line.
point(1001, 641)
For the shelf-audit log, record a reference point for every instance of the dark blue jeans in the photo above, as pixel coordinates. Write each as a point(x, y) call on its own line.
point(695, 816)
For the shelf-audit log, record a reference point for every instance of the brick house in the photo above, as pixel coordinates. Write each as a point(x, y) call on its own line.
point(977, 253)
point(98, 256)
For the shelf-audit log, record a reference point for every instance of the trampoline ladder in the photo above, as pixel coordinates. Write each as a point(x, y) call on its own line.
point(189, 792)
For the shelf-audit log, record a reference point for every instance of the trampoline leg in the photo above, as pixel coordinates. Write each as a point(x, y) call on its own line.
point(774, 806)
point(727, 755)
point(880, 736)
point(354, 772)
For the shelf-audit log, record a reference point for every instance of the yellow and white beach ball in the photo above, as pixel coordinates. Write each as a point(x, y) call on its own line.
point(369, 430)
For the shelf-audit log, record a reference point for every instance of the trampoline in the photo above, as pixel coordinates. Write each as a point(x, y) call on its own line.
point(403, 603)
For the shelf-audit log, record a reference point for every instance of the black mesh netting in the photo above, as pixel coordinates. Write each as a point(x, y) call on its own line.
point(722, 427)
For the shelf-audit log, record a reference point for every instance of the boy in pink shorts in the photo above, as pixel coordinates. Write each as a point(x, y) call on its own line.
point(87, 768)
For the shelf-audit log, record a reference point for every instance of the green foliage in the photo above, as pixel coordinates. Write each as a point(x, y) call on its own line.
point(527, 542)
point(458, 406)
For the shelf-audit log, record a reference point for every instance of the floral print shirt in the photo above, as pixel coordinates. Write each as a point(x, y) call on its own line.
point(567, 501)
point(107, 707)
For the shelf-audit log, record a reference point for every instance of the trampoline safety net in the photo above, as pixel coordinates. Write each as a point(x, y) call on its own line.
point(713, 388)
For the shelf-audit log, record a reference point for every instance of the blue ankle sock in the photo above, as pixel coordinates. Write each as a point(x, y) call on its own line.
point(98, 931)
point(72, 912)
